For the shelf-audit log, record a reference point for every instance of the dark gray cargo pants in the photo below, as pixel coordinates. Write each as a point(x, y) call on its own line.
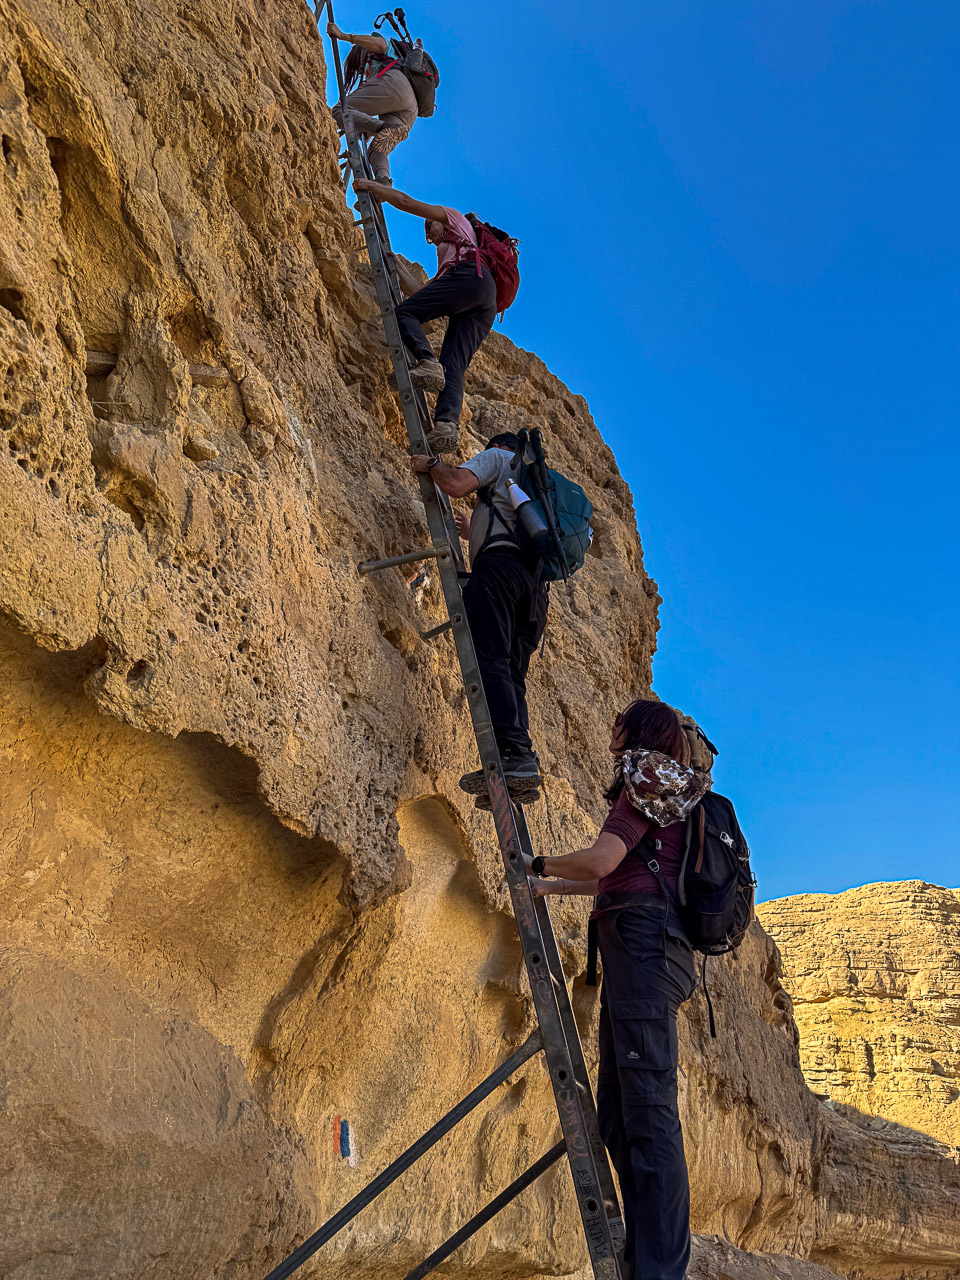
point(648, 972)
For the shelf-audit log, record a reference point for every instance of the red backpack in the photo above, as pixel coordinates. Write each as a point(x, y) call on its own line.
point(498, 253)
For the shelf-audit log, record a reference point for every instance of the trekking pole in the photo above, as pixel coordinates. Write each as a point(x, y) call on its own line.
point(402, 18)
point(542, 482)
point(389, 18)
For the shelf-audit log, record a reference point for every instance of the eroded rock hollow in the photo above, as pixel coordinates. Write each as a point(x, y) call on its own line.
point(253, 938)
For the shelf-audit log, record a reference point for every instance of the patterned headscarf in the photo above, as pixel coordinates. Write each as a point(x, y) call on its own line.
point(662, 789)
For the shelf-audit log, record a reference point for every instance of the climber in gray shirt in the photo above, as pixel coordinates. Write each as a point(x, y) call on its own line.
point(506, 606)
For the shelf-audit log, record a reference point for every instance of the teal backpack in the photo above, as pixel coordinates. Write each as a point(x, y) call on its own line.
point(562, 506)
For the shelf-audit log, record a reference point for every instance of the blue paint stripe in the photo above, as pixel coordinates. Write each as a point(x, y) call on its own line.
point(345, 1138)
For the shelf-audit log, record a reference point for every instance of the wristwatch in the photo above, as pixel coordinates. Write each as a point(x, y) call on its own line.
point(432, 462)
point(537, 865)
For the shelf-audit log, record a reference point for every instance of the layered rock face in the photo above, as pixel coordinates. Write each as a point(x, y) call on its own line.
point(875, 978)
point(253, 938)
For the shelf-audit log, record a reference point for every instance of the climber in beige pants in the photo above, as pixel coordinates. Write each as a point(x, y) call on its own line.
point(384, 107)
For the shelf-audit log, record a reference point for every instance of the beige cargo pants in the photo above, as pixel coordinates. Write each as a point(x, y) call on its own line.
point(383, 110)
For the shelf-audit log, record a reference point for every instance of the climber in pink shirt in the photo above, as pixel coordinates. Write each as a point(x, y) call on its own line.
point(463, 289)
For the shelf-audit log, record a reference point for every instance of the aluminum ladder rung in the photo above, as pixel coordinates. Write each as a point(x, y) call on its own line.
point(409, 557)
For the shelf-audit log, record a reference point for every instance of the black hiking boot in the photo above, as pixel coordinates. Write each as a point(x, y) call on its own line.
point(521, 770)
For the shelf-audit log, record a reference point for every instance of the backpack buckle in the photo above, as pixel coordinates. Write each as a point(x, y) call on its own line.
point(727, 839)
point(654, 865)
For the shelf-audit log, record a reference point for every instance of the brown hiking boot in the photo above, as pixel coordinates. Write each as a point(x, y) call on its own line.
point(443, 438)
point(428, 375)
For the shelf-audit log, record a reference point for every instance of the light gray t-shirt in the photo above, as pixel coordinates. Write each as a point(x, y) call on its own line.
point(492, 468)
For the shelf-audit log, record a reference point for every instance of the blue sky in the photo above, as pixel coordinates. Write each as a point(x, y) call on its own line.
point(740, 242)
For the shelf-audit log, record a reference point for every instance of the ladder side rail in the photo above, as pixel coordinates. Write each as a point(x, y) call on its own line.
point(356, 159)
point(601, 1243)
point(318, 16)
point(575, 1047)
point(489, 1211)
point(531, 1046)
point(388, 257)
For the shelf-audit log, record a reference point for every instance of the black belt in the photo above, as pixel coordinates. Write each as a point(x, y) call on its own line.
point(625, 898)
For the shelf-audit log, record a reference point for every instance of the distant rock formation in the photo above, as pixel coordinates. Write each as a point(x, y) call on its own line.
point(875, 978)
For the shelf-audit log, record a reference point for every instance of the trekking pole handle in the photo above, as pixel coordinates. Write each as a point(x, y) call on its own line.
point(540, 471)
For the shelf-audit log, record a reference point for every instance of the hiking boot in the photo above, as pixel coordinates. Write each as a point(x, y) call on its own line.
point(384, 182)
point(528, 797)
point(443, 438)
point(474, 784)
point(428, 375)
point(521, 771)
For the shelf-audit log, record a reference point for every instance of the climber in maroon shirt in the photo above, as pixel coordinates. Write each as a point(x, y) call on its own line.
point(648, 972)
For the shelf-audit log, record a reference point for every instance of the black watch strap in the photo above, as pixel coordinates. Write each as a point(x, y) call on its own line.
point(537, 865)
point(432, 462)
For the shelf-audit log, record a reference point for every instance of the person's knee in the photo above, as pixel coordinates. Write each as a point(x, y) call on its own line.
point(494, 663)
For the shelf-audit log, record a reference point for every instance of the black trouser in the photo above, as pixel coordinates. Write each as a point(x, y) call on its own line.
point(470, 300)
point(648, 972)
point(507, 610)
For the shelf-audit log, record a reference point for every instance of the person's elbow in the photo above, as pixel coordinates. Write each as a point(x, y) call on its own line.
point(461, 483)
point(606, 855)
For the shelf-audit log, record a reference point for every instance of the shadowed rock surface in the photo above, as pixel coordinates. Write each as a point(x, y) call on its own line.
point(254, 939)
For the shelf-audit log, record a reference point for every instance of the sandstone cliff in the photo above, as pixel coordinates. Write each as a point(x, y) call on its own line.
point(875, 978)
point(253, 938)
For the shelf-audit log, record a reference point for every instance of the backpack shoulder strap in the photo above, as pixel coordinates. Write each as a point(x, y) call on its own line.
point(646, 850)
point(485, 494)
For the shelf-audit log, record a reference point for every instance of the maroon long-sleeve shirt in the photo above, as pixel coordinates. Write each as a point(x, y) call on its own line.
point(633, 875)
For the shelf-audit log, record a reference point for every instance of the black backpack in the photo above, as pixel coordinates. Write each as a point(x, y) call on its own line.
point(421, 70)
point(716, 886)
point(413, 60)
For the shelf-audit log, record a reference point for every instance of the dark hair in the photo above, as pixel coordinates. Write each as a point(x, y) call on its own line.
point(648, 726)
point(353, 66)
point(504, 440)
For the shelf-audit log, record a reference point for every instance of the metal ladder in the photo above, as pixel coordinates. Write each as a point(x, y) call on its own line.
point(557, 1037)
